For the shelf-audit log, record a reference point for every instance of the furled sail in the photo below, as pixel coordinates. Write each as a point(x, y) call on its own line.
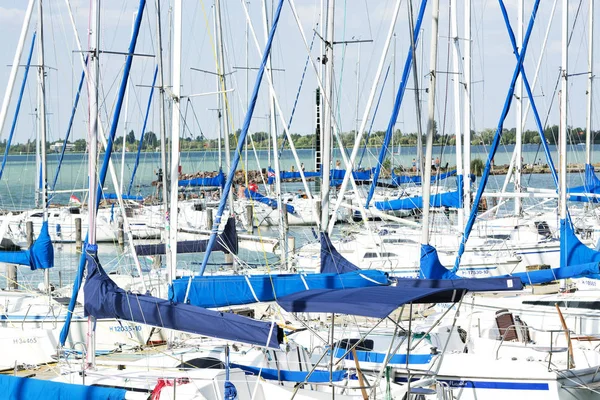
point(220, 290)
point(215, 181)
point(104, 299)
point(39, 256)
point(226, 242)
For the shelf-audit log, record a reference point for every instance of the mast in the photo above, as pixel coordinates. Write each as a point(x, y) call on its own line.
point(276, 166)
point(93, 84)
point(163, 137)
point(411, 28)
point(161, 104)
point(588, 124)
point(457, 109)
point(327, 117)
point(562, 137)
point(223, 88)
point(519, 117)
point(42, 119)
point(431, 121)
point(14, 69)
point(467, 111)
point(219, 97)
point(175, 131)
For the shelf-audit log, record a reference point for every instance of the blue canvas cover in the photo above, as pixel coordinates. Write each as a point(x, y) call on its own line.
point(495, 284)
point(282, 375)
point(39, 256)
point(591, 186)
point(416, 179)
point(572, 251)
point(591, 269)
point(227, 242)
point(290, 175)
point(449, 199)
point(229, 290)
point(431, 267)
point(380, 301)
point(266, 200)
point(338, 174)
point(104, 299)
point(113, 196)
point(331, 260)
point(377, 301)
point(216, 181)
point(17, 388)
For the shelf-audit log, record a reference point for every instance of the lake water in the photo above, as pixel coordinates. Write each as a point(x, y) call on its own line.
point(18, 183)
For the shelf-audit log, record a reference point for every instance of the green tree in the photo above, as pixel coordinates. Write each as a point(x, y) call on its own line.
point(151, 141)
point(131, 137)
point(80, 145)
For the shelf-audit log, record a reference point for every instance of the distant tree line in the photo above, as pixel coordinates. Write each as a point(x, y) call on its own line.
point(262, 140)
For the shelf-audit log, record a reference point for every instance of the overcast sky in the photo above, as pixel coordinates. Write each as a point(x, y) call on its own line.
point(493, 63)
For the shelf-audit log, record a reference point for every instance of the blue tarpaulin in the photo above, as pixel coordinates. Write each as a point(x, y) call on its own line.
point(104, 299)
point(266, 200)
point(449, 199)
point(215, 181)
point(17, 388)
point(224, 290)
point(39, 256)
point(226, 242)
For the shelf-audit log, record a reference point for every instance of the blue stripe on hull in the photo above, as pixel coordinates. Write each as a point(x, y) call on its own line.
point(469, 384)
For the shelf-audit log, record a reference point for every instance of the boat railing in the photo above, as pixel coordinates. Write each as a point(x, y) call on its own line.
point(553, 348)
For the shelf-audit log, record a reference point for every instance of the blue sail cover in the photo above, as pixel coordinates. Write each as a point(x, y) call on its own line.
point(290, 175)
point(104, 299)
point(336, 175)
point(282, 375)
point(449, 199)
point(227, 242)
point(404, 179)
point(229, 290)
point(591, 269)
point(331, 260)
point(572, 251)
point(591, 186)
point(215, 181)
point(17, 388)
point(431, 267)
point(39, 256)
point(113, 196)
point(266, 200)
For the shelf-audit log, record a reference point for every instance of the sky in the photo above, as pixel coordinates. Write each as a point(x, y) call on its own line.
point(354, 64)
